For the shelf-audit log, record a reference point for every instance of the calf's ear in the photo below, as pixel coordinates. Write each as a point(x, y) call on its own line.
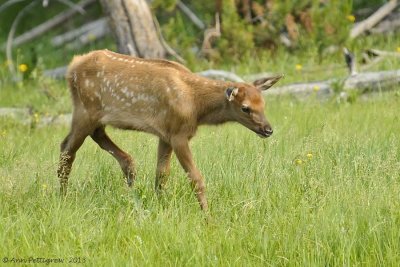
point(265, 83)
point(231, 92)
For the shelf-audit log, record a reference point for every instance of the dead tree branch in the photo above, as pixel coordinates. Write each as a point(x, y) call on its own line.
point(46, 26)
point(164, 43)
point(372, 20)
point(350, 61)
point(72, 5)
point(210, 34)
point(60, 40)
point(11, 36)
point(88, 37)
point(191, 15)
point(381, 53)
point(389, 25)
point(9, 3)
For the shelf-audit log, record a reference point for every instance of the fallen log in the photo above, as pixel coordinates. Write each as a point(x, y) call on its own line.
point(360, 82)
point(26, 117)
point(20, 114)
point(322, 90)
point(221, 75)
point(57, 73)
point(373, 81)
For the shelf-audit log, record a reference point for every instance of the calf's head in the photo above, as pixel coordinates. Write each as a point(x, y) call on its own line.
point(247, 104)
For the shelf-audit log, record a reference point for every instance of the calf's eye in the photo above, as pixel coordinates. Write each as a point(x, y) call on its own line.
point(246, 109)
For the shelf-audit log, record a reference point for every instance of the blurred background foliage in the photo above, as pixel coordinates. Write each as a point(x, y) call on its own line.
point(251, 30)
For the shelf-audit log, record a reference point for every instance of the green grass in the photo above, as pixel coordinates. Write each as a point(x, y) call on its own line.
point(340, 207)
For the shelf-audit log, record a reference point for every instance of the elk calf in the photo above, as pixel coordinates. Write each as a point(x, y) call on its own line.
point(159, 97)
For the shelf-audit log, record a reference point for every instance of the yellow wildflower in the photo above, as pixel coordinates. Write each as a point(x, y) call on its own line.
point(36, 117)
point(298, 161)
point(309, 155)
point(398, 49)
point(316, 88)
point(351, 18)
point(44, 186)
point(299, 67)
point(23, 67)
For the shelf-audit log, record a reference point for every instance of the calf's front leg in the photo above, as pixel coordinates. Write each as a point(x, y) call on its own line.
point(163, 164)
point(184, 155)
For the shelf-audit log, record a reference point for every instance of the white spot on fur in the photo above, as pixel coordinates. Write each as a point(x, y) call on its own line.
point(86, 82)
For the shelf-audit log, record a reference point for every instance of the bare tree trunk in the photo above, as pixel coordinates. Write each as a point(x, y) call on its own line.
point(132, 24)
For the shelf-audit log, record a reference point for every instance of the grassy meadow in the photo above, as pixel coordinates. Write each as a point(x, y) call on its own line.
point(323, 190)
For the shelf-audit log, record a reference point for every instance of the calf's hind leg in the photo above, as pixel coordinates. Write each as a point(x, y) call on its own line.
point(123, 158)
point(69, 146)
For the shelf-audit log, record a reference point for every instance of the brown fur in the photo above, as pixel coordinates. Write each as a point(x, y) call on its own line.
point(160, 97)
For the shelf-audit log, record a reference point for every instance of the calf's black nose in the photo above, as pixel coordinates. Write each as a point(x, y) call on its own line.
point(269, 131)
